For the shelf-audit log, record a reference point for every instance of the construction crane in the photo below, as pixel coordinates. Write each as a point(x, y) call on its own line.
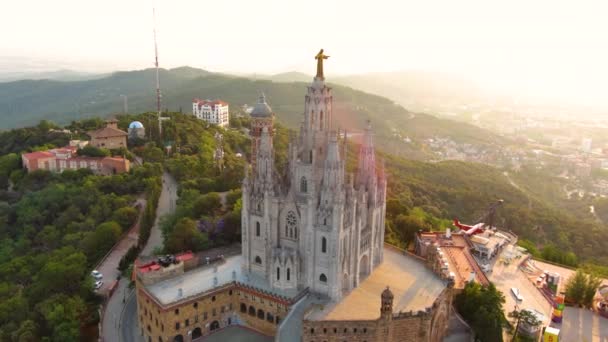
point(486, 220)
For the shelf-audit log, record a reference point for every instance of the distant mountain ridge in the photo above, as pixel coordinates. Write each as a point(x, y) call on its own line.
point(26, 102)
point(56, 75)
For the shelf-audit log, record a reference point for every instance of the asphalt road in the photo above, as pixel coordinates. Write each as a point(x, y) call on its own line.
point(109, 267)
point(129, 328)
point(120, 321)
point(166, 204)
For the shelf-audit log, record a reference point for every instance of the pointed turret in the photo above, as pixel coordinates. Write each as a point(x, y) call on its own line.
point(265, 156)
point(333, 176)
point(333, 156)
point(366, 172)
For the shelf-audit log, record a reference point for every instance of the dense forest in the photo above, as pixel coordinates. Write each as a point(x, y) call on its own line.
point(54, 228)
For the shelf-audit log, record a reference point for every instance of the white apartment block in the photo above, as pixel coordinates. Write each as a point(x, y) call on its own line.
point(214, 112)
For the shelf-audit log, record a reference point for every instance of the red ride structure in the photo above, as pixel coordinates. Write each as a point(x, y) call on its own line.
point(487, 220)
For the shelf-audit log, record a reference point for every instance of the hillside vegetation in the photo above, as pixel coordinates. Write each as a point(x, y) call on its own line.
point(24, 103)
point(55, 228)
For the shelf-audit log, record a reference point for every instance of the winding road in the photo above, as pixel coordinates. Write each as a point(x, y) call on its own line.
point(120, 316)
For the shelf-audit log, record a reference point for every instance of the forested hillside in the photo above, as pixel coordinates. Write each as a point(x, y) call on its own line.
point(26, 102)
point(54, 228)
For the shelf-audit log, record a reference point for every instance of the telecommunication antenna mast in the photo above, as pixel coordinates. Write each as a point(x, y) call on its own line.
point(160, 129)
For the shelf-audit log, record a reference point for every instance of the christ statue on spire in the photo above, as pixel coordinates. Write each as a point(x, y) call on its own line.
point(320, 57)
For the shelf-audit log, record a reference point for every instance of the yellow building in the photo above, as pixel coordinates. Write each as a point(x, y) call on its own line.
point(182, 299)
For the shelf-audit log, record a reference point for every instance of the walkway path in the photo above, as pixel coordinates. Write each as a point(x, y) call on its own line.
point(118, 320)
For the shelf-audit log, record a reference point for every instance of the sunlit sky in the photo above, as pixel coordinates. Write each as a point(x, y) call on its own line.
point(557, 48)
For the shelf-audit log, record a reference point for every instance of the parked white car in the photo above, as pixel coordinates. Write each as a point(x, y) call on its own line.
point(98, 284)
point(97, 275)
point(517, 295)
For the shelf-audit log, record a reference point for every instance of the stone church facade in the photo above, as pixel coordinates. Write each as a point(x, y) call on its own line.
point(315, 226)
point(313, 265)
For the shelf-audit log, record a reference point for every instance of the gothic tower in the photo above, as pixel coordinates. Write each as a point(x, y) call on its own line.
point(261, 116)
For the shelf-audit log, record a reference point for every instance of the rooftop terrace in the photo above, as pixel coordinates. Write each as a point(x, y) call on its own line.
point(414, 287)
point(207, 277)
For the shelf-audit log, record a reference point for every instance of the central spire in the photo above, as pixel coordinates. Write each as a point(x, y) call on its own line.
point(320, 57)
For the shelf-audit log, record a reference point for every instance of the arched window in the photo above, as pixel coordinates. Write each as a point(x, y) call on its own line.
point(251, 311)
point(258, 260)
point(296, 232)
point(323, 245)
point(288, 274)
point(261, 314)
point(257, 229)
point(243, 307)
point(269, 317)
point(323, 278)
point(291, 223)
point(278, 273)
point(325, 221)
point(303, 183)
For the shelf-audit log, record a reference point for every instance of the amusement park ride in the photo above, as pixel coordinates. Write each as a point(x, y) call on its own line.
point(487, 220)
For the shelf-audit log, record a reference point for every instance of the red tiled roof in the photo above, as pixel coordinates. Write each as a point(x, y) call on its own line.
point(107, 132)
point(209, 102)
point(38, 155)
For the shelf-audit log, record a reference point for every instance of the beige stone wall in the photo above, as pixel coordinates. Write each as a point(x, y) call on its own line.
point(338, 331)
point(208, 312)
point(261, 312)
point(415, 328)
point(109, 143)
point(198, 315)
point(424, 326)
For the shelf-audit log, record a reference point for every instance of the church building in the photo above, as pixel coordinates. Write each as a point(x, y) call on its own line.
point(313, 264)
point(317, 226)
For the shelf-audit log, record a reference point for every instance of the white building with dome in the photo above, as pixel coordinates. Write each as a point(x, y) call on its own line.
point(312, 225)
point(136, 130)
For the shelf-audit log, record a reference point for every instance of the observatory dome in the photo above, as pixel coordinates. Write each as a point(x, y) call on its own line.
point(136, 124)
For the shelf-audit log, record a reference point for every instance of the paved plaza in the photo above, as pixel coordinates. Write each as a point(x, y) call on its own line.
point(414, 286)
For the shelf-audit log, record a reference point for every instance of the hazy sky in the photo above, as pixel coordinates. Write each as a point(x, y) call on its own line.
point(546, 46)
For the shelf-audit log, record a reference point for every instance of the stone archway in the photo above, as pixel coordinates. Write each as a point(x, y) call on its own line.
point(178, 338)
point(214, 325)
point(196, 333)
point(363, 267)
